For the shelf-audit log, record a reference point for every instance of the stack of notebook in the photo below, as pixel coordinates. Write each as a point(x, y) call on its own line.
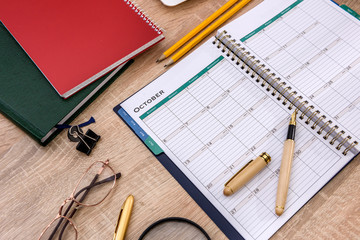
point(50, 52)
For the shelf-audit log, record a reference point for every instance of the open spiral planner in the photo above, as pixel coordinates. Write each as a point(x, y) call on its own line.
point(231, 99)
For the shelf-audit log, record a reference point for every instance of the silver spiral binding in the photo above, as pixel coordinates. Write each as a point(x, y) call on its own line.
point(324, 126)
point(306, 111)
point(283, 92)
point(269, 75)
point(312, 116)
point(142, 14)
point(258, 66)
point(343, 142)
point(259, 71)
point(331, 131)
point(276, 89)
point(353, 144)
point(303, 103)
point(236, 51)
point(298, 98)
point(290, 95)
point(317, 121)
point(336, 137)
point(272, 82)
point(249, 68)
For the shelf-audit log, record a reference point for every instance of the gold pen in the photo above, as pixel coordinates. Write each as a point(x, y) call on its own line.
point(124, 218)
point(285, 168)
point(246, 173)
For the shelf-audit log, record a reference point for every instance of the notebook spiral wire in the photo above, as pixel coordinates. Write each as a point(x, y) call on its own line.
point(132, 4)
point(268, 79)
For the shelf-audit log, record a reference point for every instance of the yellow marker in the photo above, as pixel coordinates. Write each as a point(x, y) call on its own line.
point(196, 30)
point(206, 32)
point(285, 168)
point(124, 218)
point(246, 173)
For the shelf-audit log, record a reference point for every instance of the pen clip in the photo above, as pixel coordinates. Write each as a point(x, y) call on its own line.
point(118, 221)
point(238, 172)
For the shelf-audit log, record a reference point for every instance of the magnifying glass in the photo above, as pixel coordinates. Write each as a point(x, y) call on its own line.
point(176, 228)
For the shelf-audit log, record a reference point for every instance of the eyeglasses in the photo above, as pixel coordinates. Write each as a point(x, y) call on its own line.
point(99, 176)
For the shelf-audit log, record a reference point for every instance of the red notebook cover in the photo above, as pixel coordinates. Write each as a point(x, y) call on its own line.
point(75, 42)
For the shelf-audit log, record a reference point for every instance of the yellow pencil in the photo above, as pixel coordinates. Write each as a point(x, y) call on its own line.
point(193, 32)
point(206, 32)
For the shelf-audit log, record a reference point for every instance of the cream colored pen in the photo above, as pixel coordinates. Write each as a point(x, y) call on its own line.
point(124, 218)
point(285, 168)
point(246, 173)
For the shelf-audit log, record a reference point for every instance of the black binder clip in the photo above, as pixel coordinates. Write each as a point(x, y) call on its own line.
point(86, 142)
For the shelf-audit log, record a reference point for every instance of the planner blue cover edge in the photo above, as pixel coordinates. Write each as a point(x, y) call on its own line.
point(182, 179)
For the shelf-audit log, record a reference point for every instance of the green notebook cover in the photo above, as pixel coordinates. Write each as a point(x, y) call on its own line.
point(349, 10)
point(27, 98)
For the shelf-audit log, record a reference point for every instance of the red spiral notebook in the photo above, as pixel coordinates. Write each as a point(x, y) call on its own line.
point(73, 43)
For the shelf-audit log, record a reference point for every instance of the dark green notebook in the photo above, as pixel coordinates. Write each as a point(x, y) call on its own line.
point(27, 98)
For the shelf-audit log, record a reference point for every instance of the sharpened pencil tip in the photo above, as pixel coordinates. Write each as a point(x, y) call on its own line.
point(161, 58)
point(169, 63)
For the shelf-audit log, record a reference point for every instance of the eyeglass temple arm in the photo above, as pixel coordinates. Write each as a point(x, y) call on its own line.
point(86, 189)
point(118, 175)
point(67, 210)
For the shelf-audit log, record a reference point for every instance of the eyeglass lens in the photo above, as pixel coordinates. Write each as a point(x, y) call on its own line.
point(60, 229)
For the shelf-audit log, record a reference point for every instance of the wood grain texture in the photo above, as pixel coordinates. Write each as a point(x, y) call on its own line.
point(34, 180)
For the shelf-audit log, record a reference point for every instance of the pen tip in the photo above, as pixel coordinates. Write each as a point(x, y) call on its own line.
point(293, 118)
point(294, 113)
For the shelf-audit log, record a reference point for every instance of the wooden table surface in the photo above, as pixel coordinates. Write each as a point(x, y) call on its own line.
point(34, 180)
